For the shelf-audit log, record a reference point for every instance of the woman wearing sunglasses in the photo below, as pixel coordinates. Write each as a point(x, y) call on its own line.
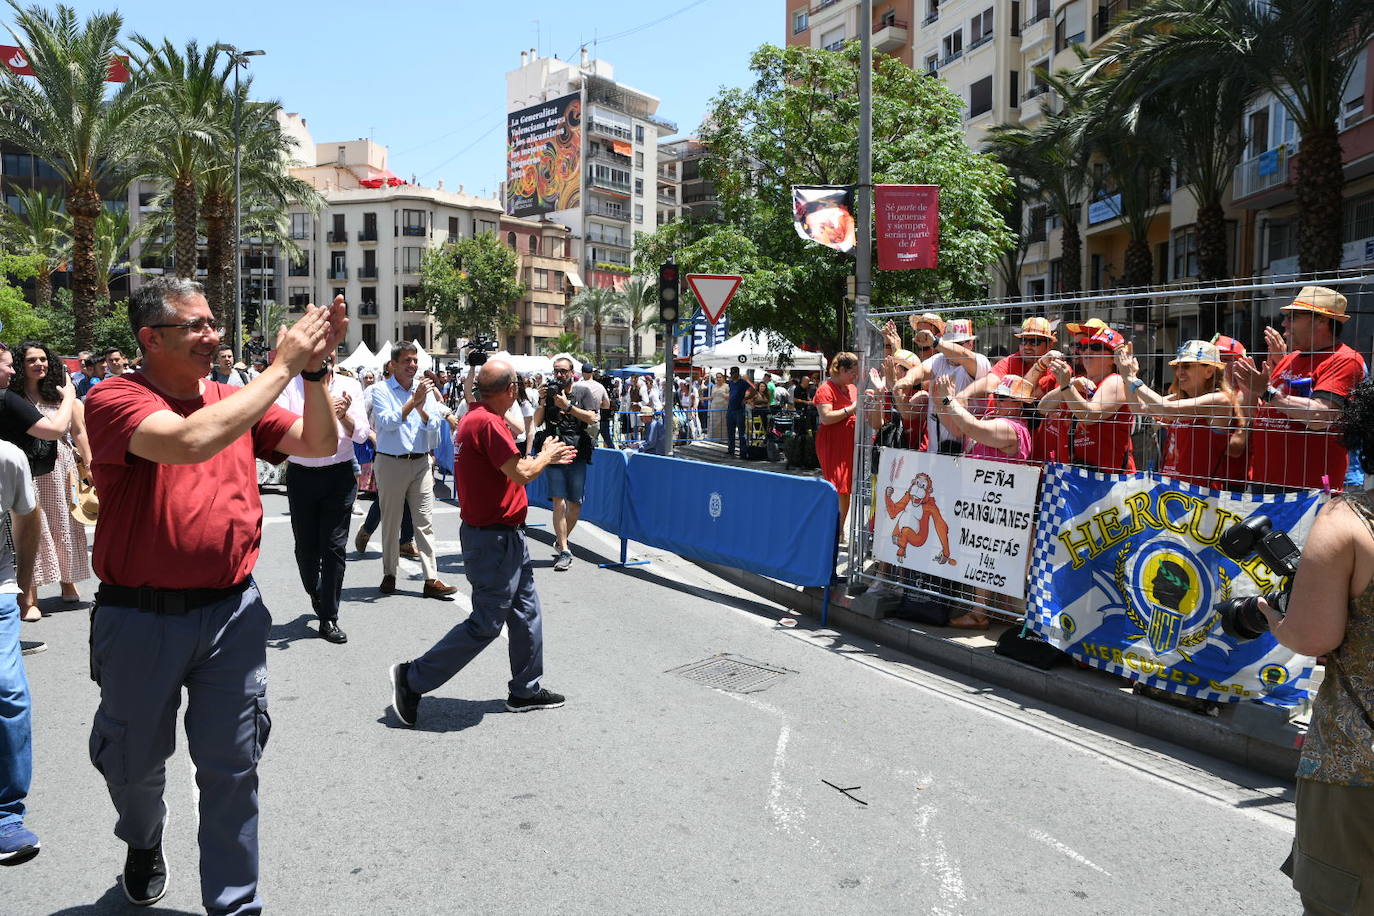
point(1100, 435)
point(1198, 410)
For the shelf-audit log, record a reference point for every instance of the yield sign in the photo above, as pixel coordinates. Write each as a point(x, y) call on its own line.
point(714, 292)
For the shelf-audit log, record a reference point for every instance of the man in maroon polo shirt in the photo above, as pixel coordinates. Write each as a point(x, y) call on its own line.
point(179, 532)
point(490, 476)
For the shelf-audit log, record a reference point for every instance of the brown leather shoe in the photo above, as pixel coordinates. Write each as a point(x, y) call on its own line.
point(435, 588)
point(408, 550)
point(388, 586)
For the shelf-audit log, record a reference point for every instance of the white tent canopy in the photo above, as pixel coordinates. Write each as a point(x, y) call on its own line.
point(383, 355)
point(426, 361)
point(751, 350)
point(361, 358)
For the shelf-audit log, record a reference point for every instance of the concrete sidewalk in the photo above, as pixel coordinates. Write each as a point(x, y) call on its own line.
point(1261, 737)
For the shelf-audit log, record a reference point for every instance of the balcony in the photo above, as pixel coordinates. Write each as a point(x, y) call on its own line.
point(596, 208)
point(608, 238)
point(890, 36)
point(298, 270)
point(979, 42)
point(418, 231)
point(1108, 14)
point(339, 273)
point(297, 303)
point(367, 310)
point(614, 158)
point(667, 200)
point(951, 58)
point(606, 129)
point(606, 183)
point(934, 15)
point(336, 238)
point(836, 45)
point(367, 235)
point(299, 234)
point(1264, 172)
point(367, 273)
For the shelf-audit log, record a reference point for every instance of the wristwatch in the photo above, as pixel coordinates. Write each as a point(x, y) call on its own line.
point(1270, 393)
point(1136, 384)
point(317, 375)
point(945, 401)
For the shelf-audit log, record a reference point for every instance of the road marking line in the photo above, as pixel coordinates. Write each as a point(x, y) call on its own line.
point(1043, 837)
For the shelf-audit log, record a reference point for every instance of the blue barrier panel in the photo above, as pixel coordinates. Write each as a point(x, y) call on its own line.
point(605, 492)
point(773, 524)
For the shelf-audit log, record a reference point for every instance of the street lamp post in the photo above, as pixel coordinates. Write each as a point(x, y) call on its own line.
point(240, 59)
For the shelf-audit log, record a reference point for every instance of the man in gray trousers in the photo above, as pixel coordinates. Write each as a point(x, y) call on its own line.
point(179, 532)
point(490, 476)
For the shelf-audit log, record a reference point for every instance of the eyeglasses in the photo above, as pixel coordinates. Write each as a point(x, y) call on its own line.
point(1097, 348)
point(198, 326)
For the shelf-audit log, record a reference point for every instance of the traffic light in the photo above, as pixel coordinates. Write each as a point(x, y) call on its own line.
point(667, 292)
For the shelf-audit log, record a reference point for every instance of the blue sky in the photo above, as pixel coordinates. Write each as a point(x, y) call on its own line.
point(427, 79)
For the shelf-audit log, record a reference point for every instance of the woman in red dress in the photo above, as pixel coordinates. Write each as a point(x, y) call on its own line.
point(836, 401)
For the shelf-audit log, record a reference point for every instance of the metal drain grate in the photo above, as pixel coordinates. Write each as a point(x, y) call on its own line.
point(732, 672)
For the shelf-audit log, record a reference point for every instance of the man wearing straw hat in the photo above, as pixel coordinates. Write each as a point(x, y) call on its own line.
point(952, 356)
point(1296, 396)
point(1035, 341)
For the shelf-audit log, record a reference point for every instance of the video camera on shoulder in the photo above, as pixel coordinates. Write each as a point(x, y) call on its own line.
point(1241, 617)
point(478, 349)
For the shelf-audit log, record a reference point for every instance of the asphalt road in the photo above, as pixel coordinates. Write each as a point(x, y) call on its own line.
point(650, 791)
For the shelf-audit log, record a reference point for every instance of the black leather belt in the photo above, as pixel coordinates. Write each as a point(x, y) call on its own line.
point(497, 527)
point(322, 467)
point(175, 601)
point(408, 456)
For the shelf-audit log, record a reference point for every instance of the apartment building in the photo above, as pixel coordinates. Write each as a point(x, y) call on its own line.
point(549, 272)
point(368, 242)
point(992, 54)
point(683, 189)
point(612, 142)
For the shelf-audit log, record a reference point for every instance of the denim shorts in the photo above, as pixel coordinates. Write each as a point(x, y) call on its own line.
point(567, 481)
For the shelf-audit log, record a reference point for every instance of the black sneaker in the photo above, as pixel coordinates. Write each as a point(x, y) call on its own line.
point(145, 876)
point(32, 646)
point(404, 701)
point(544, 699)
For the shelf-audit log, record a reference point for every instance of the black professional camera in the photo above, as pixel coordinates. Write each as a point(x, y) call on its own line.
point(478, 348)
point(1242, 617)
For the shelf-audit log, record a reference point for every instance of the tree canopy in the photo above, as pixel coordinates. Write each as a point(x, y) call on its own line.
point(470, 285)
point(798, 124)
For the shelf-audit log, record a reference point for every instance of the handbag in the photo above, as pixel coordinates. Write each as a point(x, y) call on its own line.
point(892, 434)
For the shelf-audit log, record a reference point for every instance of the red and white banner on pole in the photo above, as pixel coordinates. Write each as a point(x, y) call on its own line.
point(17, 62)
point(714, 292)
point(908, 225)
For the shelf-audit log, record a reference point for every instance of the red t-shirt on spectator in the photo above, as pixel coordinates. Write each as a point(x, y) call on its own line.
point(486, 496)
point(1014, 364)
point(175, 525)
point(1283, 452)
point(1106, 445)
point(1196, 452)
point(1050, 441)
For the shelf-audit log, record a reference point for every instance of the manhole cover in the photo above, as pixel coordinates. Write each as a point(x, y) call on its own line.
point(732, 672)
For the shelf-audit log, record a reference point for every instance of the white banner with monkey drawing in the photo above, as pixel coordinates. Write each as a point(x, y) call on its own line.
point(962, 519)
point(1128, 570)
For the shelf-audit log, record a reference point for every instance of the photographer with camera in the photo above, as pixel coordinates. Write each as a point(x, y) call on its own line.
point(565, 411)
point(1331, 613)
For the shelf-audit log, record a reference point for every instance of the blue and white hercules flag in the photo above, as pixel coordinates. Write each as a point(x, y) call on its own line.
point(1126, 573)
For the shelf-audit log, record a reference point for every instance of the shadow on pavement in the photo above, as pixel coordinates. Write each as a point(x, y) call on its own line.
point(446, 714)
point(281, 635)
point(112, 902)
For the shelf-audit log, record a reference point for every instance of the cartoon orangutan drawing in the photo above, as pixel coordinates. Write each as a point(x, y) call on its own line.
point(915, 512)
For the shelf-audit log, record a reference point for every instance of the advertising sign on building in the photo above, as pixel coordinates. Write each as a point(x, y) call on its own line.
point(968, 521)
point(908, 224)
point(544, 157)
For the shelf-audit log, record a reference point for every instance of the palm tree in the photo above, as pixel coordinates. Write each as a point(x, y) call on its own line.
point(1302, 51)
point(62, 116)
point(1132, 144)
point(596, 305)
point(1056, 168)
point(189, 90)
point(39, 228)
point(640, 308)
point(113, 239)
point(1201, 117)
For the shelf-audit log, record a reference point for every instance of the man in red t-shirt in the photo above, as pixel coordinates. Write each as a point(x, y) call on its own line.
point(1296, 397)
point(179, 532)
point(1035, 340)
point(490, 477)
